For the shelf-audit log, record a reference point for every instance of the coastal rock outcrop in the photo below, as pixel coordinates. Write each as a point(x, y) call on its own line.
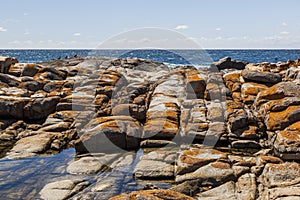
point(230, 131)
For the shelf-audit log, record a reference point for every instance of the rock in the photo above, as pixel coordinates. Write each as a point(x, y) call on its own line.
point(14, 92)
point(280, 120)
point(238, 120)
point(16, 69)
point(103, 186)
point(195, 86)
point(162, 116)
point(288, 140)
point(152, 169)
point(40, 108)
point(32, 85)
point(292, 73)
point(213, 174)
point(88, 165)
point(59, 127)
point(111, 106)
point(250, 132)
point(12, 107)
point(225, 191)
point(227, 63)
point(4, 123)
point(111, 133)
point(62, 189)
point(215, 112)
point(52, 73)
point(245, 144)
point(286, 193)
point(249, 91)
point(31, 146)
point(189, 188)
point(245, 188)
point(193, 158)
point(30, 70)
point(10, 80)
point(280, 175)
point(152, 194)
point(261, 77)
point(232, 81)
point(123, 161)
point(278, 97)
point(27, 108)
point(214, 133)
point(156, 143)
point(160, 129)
point(5, 63)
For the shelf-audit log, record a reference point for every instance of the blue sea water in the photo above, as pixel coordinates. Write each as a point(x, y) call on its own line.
point(195, 57)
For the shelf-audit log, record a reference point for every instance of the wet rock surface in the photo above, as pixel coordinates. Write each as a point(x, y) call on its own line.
point(153, 132)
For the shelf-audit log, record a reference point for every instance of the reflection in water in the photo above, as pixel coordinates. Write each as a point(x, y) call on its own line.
point(23, 179)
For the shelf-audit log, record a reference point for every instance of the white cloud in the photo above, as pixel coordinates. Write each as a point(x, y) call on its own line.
point(76, 34)
point(181, 27)
point(284, 24)
point(284, 33)
point(2, 29)
point(218, 29)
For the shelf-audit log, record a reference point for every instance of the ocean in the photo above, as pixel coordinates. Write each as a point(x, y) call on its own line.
point(171, 57)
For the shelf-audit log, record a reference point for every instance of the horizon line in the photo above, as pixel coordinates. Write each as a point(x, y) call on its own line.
point(150, 49)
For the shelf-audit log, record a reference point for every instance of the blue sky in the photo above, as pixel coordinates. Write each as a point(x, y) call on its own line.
point(211, 23)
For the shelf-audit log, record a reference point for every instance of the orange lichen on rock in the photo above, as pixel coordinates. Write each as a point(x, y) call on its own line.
point(153, 195)
point(282, 119)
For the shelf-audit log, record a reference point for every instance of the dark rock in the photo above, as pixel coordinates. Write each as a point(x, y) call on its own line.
point(10, 80)
point(32, 85)
point(5, 64)
point(262, 77)
point(40, 108)
point(227, 63)
point(30, 70)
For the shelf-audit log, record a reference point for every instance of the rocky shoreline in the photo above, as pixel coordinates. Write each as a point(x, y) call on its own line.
point(229, 131)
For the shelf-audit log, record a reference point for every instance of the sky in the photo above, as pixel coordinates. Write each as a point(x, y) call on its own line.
point(217, 24)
